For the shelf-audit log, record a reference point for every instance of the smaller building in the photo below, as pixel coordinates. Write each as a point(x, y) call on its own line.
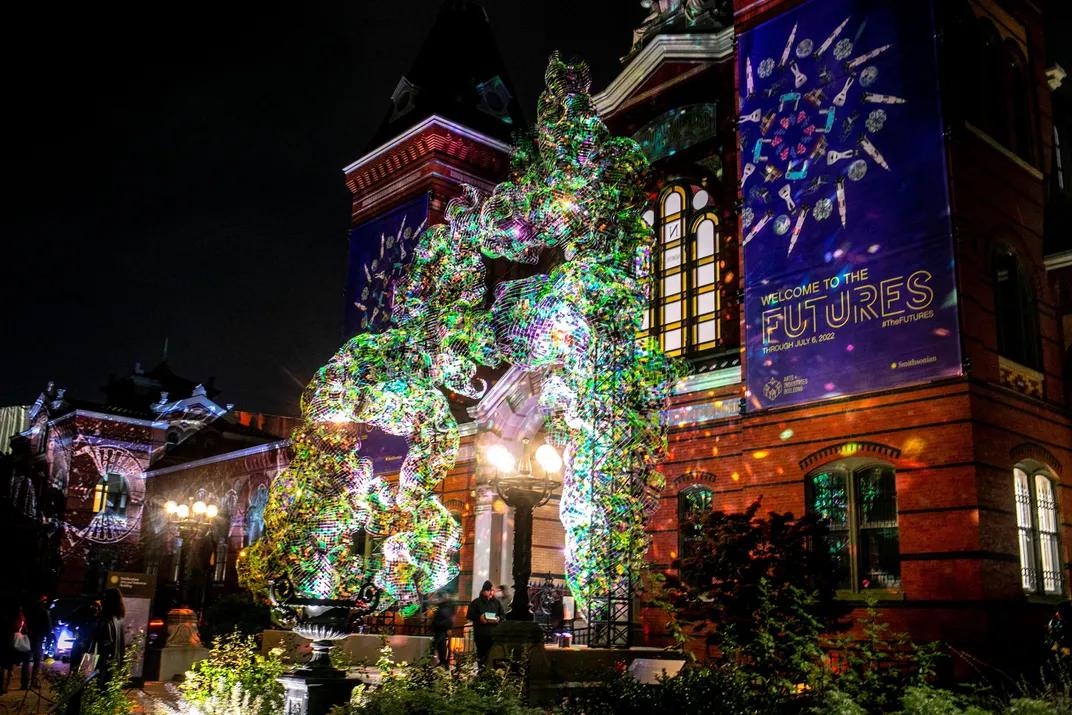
point(86, 484)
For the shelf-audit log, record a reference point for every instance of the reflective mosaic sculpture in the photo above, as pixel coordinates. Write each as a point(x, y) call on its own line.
point(575, 188)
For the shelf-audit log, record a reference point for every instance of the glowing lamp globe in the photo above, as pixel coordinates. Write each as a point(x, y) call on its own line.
point(211, 511)
point(171, 507)
point(500, 458)
point(199, 507)
point(183, 511)
point(548, 458)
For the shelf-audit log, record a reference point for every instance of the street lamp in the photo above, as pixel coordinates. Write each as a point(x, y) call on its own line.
point(190, 521)
point(524, 492)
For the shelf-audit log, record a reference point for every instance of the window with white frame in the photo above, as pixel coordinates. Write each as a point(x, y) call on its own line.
point(686, 301)
point(1039, 535)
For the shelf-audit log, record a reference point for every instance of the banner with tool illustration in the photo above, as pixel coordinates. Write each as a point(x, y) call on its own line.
point(847, 242)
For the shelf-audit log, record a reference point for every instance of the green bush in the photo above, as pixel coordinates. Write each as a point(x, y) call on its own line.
point(102, 696)
point(423, 689)
point(235, 664)
point(235, 612)
point(694, 689)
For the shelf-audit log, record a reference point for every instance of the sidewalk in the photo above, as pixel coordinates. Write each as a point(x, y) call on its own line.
point(34, 701)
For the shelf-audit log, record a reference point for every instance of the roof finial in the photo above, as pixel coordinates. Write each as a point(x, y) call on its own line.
point(164, 359)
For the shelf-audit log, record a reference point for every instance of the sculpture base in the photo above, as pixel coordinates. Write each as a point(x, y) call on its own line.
point(519, 642)
point(175, 660)
point(310, 694)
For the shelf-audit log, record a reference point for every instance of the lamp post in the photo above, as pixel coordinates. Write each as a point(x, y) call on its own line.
point(189, 521)
point(524, 492)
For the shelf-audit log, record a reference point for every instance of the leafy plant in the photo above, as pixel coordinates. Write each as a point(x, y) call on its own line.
point(761, 596)
point(236, 701)
point(877, 668)
point(422, 689)
point(694, 689)
point(102, 695)
point(235, 662)
point(235, 612)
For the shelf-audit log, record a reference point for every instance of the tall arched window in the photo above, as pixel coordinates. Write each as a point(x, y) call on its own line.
point(1038, 526)
point(693, 503)
point(111, 495)
point(456, 559)
point(1014, 310)
point(859, 503)
point(688, 272)
point(1020, 104)
point(995, 121)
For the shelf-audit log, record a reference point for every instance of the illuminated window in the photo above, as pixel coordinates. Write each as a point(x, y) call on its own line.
point(686, 303)
point(1037, 524)
point(111, 495)
point(220, 561)
point(693, 504)
point(860, 509)
point(1014, 308)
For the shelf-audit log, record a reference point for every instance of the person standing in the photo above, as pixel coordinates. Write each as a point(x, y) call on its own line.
point(12, 617)
point(109, 637)
point(38, 626)
point(442, 623)
point(486, 612)
point(505, 597)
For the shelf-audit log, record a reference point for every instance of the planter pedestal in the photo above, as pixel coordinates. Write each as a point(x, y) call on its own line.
point(313, 694)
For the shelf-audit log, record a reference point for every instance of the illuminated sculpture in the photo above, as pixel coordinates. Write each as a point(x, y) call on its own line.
point(573, 187)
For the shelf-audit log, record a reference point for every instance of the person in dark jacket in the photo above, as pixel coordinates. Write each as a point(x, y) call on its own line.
point(486, 612)
point(38, 626)
point(83, 623)
point(109, 637)
point(442, 623)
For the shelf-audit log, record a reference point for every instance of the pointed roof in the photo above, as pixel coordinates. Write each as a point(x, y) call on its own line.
point(460, 75)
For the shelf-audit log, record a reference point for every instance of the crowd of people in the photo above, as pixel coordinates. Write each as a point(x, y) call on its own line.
point(97, 629)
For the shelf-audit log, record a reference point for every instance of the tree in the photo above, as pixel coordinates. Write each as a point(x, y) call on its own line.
point(760, 593)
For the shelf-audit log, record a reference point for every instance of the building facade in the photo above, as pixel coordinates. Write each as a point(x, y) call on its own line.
point(84, 499)
point(946, 496)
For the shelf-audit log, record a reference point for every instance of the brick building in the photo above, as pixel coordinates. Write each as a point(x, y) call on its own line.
point(965, 539)
point(83, 494)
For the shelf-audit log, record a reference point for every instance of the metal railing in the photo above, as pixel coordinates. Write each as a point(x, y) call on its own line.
point(71, 704)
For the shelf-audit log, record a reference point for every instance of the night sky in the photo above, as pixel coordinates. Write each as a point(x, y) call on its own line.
point(177, 173)
point(174, 171)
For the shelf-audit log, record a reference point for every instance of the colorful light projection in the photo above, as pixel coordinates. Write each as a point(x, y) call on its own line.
point(574, 187)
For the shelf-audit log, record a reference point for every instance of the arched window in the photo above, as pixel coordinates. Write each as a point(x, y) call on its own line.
point(456, 559)
point(1014, 310)
point(219, 561)
point(688, 272)
point(1038, 526)
point(995, 121)
point(693, 503)
point(255, 515)
point(1020, 103)
point(859, 503)
point(111, 495)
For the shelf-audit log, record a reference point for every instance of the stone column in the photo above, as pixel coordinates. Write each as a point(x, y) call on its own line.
point(483, 536)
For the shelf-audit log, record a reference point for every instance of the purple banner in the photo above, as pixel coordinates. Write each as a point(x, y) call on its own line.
point(848, 253)
point(380, 250)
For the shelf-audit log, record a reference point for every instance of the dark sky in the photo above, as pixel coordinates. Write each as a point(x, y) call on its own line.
point(174, 171)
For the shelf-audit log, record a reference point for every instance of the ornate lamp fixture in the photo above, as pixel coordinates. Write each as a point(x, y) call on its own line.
point(192, 520)
point(523, 491)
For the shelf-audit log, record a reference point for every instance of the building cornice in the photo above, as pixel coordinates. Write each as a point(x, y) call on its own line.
point(433, 121)
point(662, 48)
point(709, 380)
point(111, 418)
point(1058, 260)
point(227, 456)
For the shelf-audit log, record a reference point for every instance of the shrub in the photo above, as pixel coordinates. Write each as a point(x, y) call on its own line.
point(102, 696)
point(423, 689)
point(235, 662)
point(235, 612)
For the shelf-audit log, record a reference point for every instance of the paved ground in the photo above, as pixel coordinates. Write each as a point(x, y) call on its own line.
point(32, 701)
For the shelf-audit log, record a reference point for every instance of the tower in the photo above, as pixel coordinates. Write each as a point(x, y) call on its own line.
point(449, 123)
